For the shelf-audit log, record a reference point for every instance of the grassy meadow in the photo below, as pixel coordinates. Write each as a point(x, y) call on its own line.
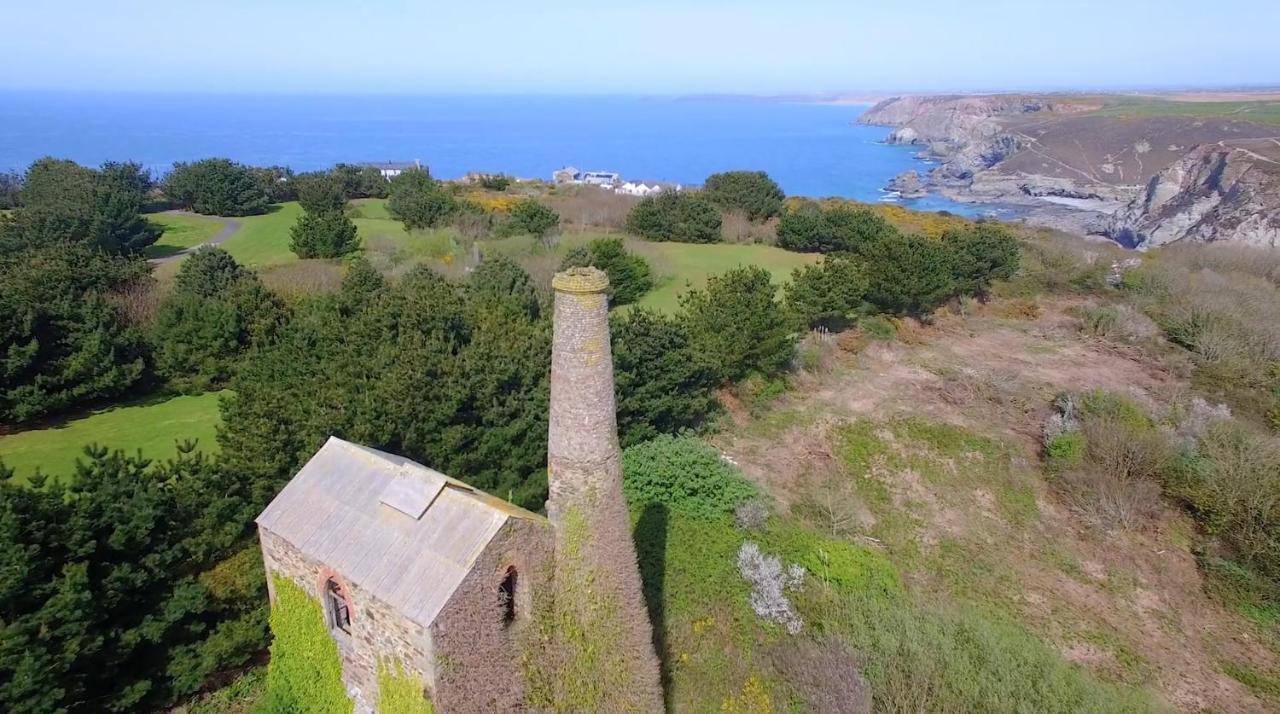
point(181, 232)
point(1260, 112)
point(153, 426)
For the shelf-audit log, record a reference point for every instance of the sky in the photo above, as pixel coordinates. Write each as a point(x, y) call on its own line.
point(653, 47)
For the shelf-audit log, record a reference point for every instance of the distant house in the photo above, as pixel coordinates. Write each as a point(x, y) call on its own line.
point(644, 188)
point(392, 169)
point(568, 174)
point(601, 178)
point(604, 179)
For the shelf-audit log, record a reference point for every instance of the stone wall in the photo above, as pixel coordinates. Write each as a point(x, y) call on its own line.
point(377, 631)
point(477, 654)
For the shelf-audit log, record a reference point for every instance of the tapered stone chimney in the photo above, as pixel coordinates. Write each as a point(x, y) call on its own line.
point(596, 567)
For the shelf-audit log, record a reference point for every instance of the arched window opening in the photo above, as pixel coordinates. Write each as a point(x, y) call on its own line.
point(339, 611)
point(507, 597)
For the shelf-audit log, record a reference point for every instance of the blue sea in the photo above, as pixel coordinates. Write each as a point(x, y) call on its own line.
point(810, 149)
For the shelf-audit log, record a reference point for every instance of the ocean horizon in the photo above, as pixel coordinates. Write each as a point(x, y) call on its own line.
point(810, 149)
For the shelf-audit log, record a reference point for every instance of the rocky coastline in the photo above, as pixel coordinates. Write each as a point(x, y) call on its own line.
point(1063, 164)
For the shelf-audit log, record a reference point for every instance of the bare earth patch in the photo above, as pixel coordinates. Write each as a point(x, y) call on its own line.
point(1130, 606)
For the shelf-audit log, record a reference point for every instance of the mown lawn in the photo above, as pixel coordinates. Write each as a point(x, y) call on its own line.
point(264, 240)
point(181, 232)
point(152, 426)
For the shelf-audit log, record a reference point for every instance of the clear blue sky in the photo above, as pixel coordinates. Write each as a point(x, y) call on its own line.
point(658, 46)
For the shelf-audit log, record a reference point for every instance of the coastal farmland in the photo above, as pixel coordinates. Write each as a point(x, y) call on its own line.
point(152, 425)
point(1262, 112)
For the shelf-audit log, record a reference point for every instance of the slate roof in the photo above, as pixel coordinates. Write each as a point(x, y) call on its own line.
point(403, 532)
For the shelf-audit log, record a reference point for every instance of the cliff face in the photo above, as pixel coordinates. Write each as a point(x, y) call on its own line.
point(1224, 191)
point(1139, 180)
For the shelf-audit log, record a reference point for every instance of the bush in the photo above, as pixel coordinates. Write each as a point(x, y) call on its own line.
point(981, 254)
point(908, 275)
point(329, 234)
point(751, 192)
point(320, 192)
point(419, 201)
point(678, 216)
point(630, 276)
point(218, 187)
point(529, 217)
point(664, 384)
point(812, 229)
point(361, 181)
point(494, 182)
point(684, 474)
point(826, 295)
point(760, 339)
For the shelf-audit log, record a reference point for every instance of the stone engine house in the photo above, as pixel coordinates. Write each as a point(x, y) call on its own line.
point(412, 565)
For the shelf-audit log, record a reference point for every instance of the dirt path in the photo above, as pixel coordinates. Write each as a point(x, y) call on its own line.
point(230, 227)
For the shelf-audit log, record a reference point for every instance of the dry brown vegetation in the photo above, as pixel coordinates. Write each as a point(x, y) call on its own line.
point(955, 490)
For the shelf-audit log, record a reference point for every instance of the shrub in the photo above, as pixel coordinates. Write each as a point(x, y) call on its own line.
point(529, 217)
point(981, 254)
point(685, 474)
point(908, 274)
point(840, 228)
point(751, 192)
point(494, 182)
point(826, 295)
point(1065, 450)
point(679, 216)
point(218, 187)
point(630, 276)
point(879, 327)
point(320, 192)
point(664, 383)
point(418, 201)
point(329, 234)
point(760, 339)
point(770, 582)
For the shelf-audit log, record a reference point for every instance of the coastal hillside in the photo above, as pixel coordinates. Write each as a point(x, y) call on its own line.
point(1096, 164)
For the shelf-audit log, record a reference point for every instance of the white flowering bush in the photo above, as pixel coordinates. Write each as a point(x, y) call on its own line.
point(770, 582)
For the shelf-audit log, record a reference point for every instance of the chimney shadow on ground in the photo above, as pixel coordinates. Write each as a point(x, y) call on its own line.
point(650, 536)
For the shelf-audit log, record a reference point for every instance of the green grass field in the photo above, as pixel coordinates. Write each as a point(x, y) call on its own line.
point(154, 426)
point(681, 266)
point(180, 233)
point(1260, 112)
point(264, 240)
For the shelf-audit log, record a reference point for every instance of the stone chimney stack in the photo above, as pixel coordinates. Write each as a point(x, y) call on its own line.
point(596, 569)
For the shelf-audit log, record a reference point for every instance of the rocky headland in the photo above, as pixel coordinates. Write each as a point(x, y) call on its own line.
point(1072, 163)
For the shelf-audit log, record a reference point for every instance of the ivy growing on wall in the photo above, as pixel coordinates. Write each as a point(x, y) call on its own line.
point(400, 692)
point(305, 674)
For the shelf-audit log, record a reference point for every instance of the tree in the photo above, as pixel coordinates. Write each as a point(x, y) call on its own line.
point(120, 193)
point(418, 200)
point(361, 181)
point(494, 182)
point(983, 253)
point(10, 189)
point(908, 274)
point(62, 335)
point(218, 187)
point(216, 312)
point(533, 218)
point(826, 295)
point(630, 276)
point(275, 182)
point(737, 325)
point(664, 384)
point(323, 235)
point(118, 590)
point(63, 201)
point(751, 192)
point(811, 229)
point(679, 216)
point(320, 192)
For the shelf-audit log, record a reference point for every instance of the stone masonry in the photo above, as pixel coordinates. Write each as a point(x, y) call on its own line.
point(584, 470)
